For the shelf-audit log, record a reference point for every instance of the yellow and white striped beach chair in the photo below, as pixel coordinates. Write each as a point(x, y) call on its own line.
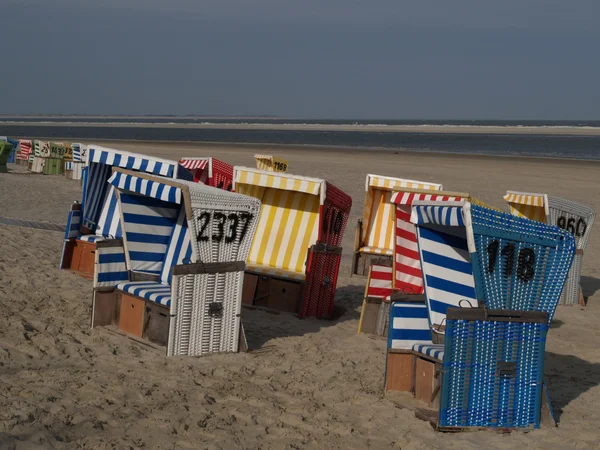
point(295, 256)
point(374, 236)
point(270, 163)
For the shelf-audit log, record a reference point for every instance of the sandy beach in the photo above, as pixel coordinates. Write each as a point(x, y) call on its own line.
point(305, 383)
point(377, 128)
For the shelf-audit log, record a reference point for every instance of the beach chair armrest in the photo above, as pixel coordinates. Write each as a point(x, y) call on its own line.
point(201, 268)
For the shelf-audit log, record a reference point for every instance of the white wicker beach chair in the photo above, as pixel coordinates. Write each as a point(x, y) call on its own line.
point(177, 277)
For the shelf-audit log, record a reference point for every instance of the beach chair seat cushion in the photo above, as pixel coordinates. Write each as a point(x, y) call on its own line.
point(92, 238)
point(377, 250)
point(275, 272)
point(148, 290)
point(434, 351)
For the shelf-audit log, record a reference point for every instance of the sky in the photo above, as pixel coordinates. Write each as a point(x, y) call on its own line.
point(395, 59)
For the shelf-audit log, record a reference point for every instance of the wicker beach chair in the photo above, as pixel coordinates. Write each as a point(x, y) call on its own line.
point(374, 235)
point(12, 156)
point(5, 149)
point(209, 171)
point(98, 213)
point(25, 149)
point(176, 276)
point(271, 163)
point(574, 217)
point(295, 257)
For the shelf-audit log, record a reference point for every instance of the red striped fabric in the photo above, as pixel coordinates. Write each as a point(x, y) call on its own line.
point(407, 274)
point(24, 149)
point(379, 284)
point(193, 164)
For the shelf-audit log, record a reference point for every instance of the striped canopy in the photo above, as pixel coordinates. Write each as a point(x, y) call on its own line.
point(278, 180)
point(408, 276)
point(150, 188)
point(378, 224)
point(448, 214)
point(95, 186)
point(529, 205)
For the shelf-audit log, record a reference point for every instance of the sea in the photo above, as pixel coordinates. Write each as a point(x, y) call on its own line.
point(541, 144)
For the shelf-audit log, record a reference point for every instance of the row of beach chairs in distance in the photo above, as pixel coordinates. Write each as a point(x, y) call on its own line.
point(175, 248)
point(465, 294)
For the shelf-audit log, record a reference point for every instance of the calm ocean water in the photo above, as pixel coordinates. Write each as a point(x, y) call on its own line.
point(572, 147)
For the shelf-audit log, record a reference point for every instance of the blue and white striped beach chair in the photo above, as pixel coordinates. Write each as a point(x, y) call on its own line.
point(184, 248)
point(99, 216)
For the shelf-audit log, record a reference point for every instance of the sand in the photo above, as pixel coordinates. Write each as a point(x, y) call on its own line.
point(306, 383)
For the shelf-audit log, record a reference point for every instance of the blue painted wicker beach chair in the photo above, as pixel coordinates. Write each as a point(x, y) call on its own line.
point(178, 271)
point(493, 369)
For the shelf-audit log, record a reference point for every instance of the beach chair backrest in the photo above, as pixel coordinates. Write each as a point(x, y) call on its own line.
point(408, 276)
point(206, 170)
point(290, 217)
point(518, 263)
point(527, 204)
point(574, 217)
point(378, 227)
point(445, 260)
point(95, 187)
point(270, 163)
point(379, 283)
point(24, 149)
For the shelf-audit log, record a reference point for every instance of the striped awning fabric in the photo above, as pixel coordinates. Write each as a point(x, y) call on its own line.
point(194, 163)
point(407, 198)
point(448, 215)
point(384, 182)
point(143, 186)
point(131, 161)
point(278, 180)
point(380, 282)
point(524, 198)
point(408, 276)
point(24, 149)
point(378, 224)
point(271, 163)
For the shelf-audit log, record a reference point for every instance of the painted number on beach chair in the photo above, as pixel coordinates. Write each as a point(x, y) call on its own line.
point(575, 228)
point(335, 224)
point(525, 260)
point(234, 219)
point(280, 166)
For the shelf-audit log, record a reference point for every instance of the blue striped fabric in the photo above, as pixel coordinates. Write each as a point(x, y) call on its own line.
point(131, 161)
point(110, 267)
point(68, 165)
point(91, 238)
point(447, 271)
point(179, 249)
point(109, 222)
point(437, 214)
point(435, 351)
point(148, 225)
point(408, 325)
point(146, 187)
point(95, 190)
point(153, 291)
point(73, 222)
point(13, 153)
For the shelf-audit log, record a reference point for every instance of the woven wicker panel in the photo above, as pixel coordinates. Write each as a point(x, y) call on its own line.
point(493, 374)
point(519, 263)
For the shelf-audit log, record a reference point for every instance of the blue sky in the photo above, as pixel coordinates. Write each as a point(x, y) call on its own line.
point(514, 59)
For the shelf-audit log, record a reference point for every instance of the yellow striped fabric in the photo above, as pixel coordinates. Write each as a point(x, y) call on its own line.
point(288, 226)
point(270, 163)
point(378, 215)
point(278, 180)
point(523, 204)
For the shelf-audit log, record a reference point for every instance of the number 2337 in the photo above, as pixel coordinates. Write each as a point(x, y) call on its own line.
point(228, 226)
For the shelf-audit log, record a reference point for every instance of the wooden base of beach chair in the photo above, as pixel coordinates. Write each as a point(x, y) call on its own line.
point(106, 306)
point(400, 371)
point(272, 293)
point(428, 381)
point(131, 319)
point(370, 315)
point(80, 257)
point(362, 262)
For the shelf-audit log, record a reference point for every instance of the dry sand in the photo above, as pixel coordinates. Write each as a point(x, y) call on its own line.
point(305, 384)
